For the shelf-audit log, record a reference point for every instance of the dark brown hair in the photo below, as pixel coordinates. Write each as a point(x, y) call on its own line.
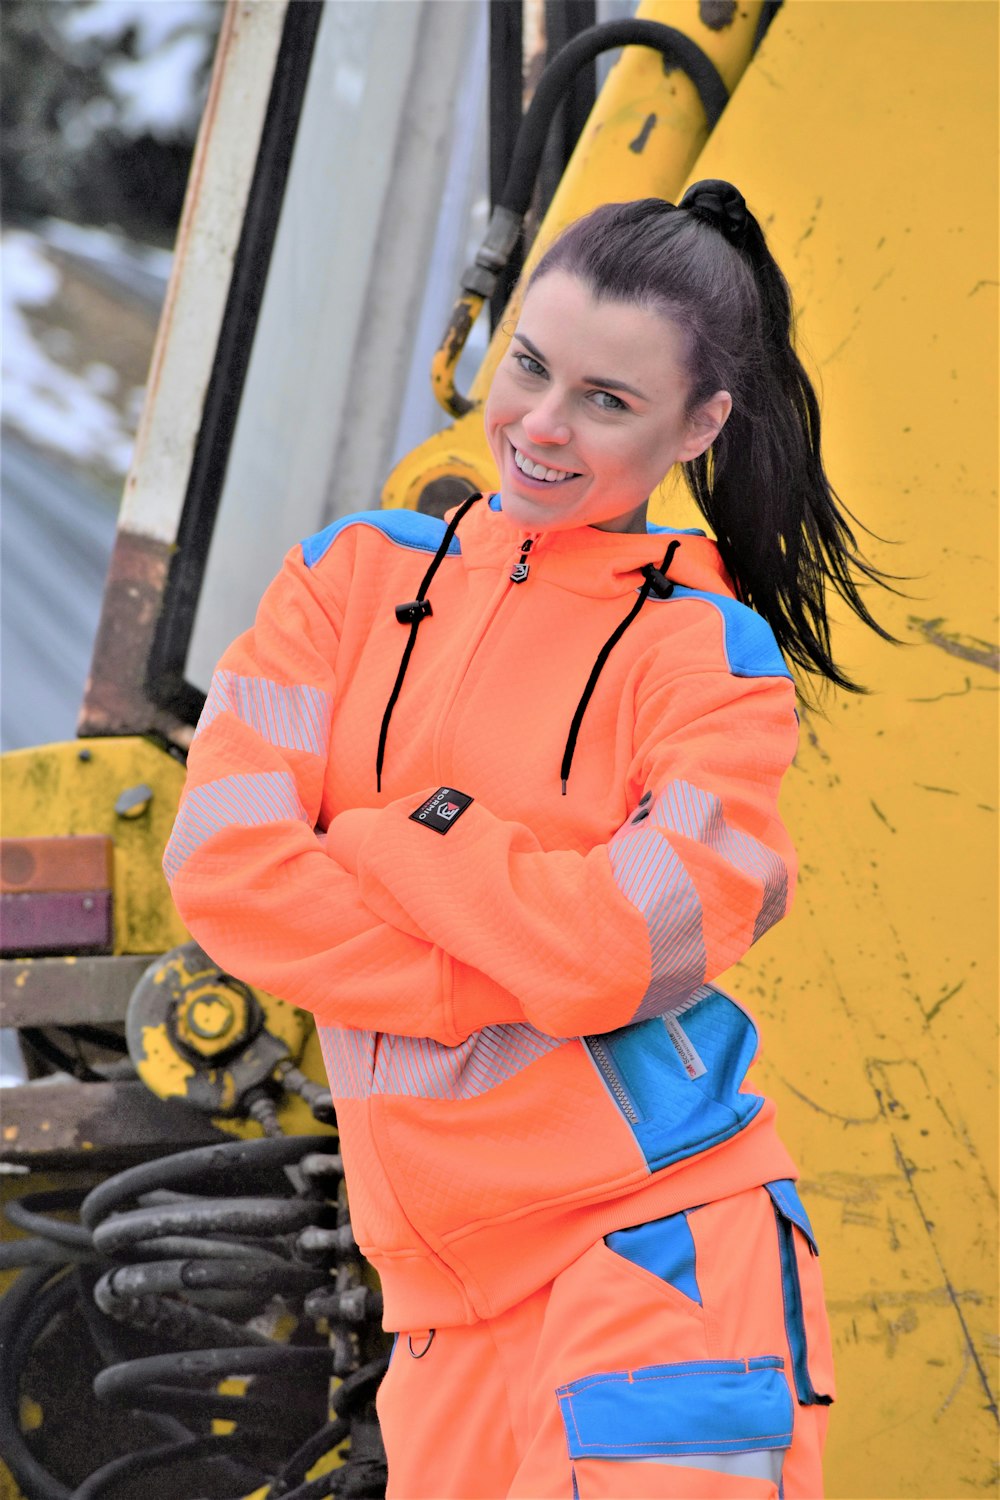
point(782, 532)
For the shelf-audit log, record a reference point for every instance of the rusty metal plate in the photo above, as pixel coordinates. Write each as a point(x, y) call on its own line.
point(68, 991)
point(74, 863)
point(62, 1123)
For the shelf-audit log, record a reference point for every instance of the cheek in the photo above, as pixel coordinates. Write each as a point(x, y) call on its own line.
point(494, 410)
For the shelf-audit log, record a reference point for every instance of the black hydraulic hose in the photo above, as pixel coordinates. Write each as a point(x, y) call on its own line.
point(122, 1382)
point(38, 1252)
point(25, 1309)
point(252, 1216)
point(293, 1471)
point(190, 1243)
point(358, 1389)
point(214, 1167)
point(172, 1277)
point(148, 1458)
point(323, 1488)
point(679, 50)
point(180, 1247)
point(31, 1214)
point(196, 1407)
point(178, 1323)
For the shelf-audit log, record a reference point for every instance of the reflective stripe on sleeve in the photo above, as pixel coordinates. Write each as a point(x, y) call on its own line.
point(241, 801)
point(650, 874)
point(686, 809)
point(292, 717)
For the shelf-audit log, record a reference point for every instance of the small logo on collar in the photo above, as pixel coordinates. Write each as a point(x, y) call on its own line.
point(442, 810)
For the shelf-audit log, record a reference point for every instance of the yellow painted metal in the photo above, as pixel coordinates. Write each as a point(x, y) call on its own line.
point(864, 135)
point(209, 1018)
point(72, 788)
point(608, 163)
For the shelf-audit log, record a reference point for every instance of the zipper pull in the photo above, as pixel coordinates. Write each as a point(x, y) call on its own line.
point(519, 572)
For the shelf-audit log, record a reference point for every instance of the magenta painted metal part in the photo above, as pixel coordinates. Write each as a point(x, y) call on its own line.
point(56, 922)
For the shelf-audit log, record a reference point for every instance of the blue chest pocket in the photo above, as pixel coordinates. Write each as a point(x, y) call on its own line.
point(673, 1114)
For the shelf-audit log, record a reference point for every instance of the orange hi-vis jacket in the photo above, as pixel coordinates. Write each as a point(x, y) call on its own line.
point(512, 993)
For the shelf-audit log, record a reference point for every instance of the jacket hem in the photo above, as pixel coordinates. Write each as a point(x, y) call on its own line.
point(502, 1263)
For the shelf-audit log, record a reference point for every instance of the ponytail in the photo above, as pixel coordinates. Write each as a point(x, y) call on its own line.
point(783, 535)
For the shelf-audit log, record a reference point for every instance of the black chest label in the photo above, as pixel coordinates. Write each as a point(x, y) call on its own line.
point(441, 810)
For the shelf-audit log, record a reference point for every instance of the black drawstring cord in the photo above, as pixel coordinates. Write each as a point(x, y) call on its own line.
point(411, 614)
point(654, 578)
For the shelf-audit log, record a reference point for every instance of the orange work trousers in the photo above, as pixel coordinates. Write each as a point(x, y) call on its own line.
point(685, 1358)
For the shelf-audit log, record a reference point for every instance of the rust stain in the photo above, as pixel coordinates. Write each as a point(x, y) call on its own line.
point(459, 325)
point(115, 699)
point(969, 648)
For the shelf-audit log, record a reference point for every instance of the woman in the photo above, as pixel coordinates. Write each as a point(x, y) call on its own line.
point(544, 743)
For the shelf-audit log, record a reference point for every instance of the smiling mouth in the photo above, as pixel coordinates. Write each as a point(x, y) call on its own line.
point(542, 472)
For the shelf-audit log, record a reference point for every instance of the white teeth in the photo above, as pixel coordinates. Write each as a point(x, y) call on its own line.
point(539, 471)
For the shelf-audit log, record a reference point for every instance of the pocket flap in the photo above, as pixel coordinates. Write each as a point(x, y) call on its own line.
point(785, 1197)
point(662, 1411)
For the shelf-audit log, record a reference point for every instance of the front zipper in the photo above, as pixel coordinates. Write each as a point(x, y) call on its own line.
point(520, 570)
point(484, 625)
point(601, 1053)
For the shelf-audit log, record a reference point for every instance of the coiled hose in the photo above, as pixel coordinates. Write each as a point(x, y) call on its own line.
point(186, 1272)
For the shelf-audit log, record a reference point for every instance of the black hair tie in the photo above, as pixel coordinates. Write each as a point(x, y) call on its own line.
point(721, 205)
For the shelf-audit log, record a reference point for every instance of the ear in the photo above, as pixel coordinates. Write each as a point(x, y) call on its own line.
point(706, 424)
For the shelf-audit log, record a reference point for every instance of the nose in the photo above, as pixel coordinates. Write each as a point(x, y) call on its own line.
point(546, 422)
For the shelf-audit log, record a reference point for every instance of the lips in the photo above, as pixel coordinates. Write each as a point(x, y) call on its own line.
point(539, 472)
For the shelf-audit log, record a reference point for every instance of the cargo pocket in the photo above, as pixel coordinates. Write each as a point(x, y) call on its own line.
point(705, 1428)
point(806, 1323)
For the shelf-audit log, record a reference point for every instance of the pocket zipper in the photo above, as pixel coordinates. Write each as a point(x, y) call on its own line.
point(601, 1054)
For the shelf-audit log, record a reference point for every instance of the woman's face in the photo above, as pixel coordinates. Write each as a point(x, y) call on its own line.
point(585, 415)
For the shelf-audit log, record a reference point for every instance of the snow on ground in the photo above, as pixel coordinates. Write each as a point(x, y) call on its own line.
point(157, 88)
point(82, 415)
point(51, 405)
point(108, 249)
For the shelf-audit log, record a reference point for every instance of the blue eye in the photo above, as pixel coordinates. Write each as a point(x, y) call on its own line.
point(529, 365)
point(608, 402)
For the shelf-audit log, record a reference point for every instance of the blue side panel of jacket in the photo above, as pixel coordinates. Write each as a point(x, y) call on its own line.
point(409, 528)
point(671, 1115)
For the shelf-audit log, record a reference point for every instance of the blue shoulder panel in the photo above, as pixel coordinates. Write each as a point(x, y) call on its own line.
point(408, 528)
point(751, 650)
point(653, 530)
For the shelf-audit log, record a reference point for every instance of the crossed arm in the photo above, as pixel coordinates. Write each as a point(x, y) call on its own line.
point(387, 926)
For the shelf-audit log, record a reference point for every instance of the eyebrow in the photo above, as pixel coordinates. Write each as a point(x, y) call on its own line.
point(605, 384)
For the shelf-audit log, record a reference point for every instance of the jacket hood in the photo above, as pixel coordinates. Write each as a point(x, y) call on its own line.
point(588, 561)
